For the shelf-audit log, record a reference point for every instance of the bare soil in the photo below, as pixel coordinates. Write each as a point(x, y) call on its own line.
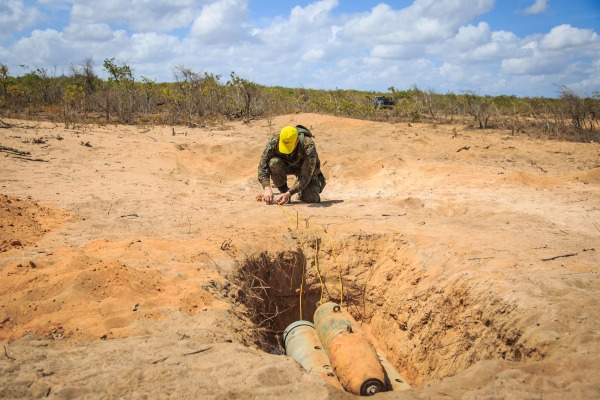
point(136, 262)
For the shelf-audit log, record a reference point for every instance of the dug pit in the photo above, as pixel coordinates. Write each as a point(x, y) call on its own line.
point(430, 324)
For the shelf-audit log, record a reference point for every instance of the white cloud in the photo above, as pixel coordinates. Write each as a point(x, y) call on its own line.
point(554, 54)
point(469, 37)
point(566, 37)
point(224, 21)
point(478, 44)
point(45, 48)
point(316, 14)
point(398, 52)
point(417, 30)
point(334, 32)
point(463, 43)
point(538, 7)
point(15, 16)
point(422, 22)
point(309, 34)
point(139, 15)
point(538, 63)
point(145, 47)
point(451, 72)
point(313, 55)
point(78, 32)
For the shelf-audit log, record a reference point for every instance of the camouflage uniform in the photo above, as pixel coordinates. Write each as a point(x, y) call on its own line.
point(303, 162)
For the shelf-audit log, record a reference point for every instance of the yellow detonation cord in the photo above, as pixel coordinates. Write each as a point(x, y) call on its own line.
point(289, 217)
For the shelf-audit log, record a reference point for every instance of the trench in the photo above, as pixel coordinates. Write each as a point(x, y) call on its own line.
point(429, 323)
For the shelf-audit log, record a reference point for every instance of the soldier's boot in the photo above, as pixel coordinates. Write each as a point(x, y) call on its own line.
point(310, 194)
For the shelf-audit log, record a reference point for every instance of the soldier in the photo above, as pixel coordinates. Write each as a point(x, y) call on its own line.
point(291, 152)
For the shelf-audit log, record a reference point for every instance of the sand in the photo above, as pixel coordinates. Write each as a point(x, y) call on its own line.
point(472, 258)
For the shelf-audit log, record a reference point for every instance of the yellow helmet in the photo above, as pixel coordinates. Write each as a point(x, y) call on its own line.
point(287, 139)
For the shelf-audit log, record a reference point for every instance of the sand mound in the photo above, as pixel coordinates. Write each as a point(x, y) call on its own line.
point(23, 222)
point(93, 292)
point(544, 181)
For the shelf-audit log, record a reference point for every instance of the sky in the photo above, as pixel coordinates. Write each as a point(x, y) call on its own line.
point(526, 48)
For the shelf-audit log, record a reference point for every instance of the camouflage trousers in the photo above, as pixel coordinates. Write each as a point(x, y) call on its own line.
point(280, 171)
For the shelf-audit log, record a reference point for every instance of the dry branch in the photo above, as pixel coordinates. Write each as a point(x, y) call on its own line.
point(555, 257)
point(32, 159)
point(19, 154)
point(7, 356)
point(198, 351)
point(12, 150)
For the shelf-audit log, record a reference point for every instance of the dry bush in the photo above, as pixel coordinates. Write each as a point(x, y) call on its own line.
point(198, 98)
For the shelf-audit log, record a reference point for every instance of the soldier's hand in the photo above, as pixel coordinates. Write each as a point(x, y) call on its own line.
point(284, 198)
point(268, 195)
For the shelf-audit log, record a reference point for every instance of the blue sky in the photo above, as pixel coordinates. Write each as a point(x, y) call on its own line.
point(520, 47)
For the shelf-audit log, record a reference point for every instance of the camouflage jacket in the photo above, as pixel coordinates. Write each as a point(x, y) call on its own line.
point(303, 162)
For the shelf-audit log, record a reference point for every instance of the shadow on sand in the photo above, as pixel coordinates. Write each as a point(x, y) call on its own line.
point(326, 203)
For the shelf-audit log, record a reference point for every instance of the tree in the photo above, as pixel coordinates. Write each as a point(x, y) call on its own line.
point(118, 73)
point(119, 91)
point(480, 107)
point(188, 84)
point(3, 79)
point(83, 75)
point(581, 112)
point(245, 89)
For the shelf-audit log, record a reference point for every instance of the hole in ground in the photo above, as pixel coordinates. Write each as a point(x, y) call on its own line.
point(429, 323)
point(269, 287)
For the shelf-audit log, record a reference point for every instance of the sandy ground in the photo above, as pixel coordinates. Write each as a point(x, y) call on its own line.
point(471, 257)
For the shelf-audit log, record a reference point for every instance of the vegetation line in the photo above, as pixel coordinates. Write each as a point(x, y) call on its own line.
point(199, 99)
